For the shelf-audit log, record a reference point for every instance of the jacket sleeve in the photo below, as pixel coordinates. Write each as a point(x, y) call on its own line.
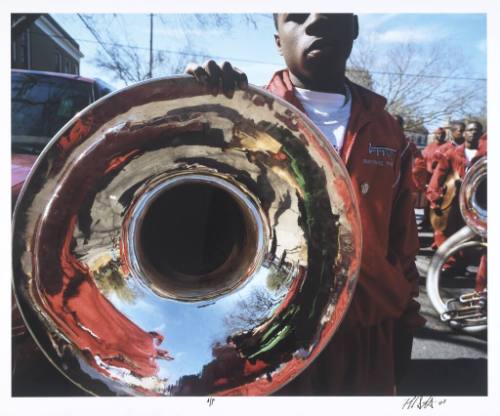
point(420, 175)
point(403, 241)
point(434, 189)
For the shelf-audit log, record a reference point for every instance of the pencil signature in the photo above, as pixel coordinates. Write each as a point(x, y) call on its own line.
point(422, 402)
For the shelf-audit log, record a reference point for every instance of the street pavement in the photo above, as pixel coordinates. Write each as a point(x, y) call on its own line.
point(445, 362)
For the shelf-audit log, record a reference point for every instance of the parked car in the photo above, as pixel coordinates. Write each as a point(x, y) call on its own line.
point(42, 103)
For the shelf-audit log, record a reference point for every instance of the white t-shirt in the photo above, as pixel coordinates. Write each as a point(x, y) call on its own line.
point(469, 154)
point(330, 112)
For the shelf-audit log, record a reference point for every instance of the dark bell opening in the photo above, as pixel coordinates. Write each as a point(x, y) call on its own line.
point(481, 195)
point(192, 229)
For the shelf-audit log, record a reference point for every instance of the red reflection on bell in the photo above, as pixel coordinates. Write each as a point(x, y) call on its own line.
point(120, 160)
point(93, 324)
point(79, 131)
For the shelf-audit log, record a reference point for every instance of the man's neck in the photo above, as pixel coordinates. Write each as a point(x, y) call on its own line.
point(334, 84)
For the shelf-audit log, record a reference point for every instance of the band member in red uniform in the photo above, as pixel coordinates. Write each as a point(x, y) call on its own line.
point(373, 344)
point(457, 133)
point(423, 168)
point(458, 160)
point(454, 139)
point(451, 169)
point(430, 150)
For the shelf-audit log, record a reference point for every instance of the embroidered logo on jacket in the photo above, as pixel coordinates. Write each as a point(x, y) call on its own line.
point(380, 155)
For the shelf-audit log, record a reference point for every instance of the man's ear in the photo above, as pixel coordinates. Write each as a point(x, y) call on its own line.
point(277, 40)
point(355, 27)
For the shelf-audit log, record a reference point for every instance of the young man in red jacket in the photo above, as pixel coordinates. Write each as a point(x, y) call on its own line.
point(373, 344)
point(425, 166)
point(433, 155)
point(457, 134)
point(430, 150)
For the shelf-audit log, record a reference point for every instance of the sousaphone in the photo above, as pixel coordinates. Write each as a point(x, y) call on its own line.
point(465, 309)
point(169, 242)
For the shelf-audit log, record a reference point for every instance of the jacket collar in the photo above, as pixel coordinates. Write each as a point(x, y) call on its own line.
point(282, 86)
point(366, 105)
point(460, 151)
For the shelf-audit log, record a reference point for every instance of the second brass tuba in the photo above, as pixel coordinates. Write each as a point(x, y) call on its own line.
point(466, 311)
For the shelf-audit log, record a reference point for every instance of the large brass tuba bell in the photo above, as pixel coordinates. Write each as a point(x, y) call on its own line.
point(468, 310)
point(473, 197)
point(169, 242)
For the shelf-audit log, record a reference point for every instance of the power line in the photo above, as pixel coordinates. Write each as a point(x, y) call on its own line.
point(253, 61)
point(100, 42)
point(419, 75)
point(121, 45)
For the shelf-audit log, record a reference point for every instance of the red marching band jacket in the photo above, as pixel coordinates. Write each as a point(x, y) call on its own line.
point(379, 161)
point(425, 163)
point(429, 154)
point(420, 176)
point(452, 159)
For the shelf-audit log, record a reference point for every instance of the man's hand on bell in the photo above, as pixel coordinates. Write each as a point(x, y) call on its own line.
point(225, 78)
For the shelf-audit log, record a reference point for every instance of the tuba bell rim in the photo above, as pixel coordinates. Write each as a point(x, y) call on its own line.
point(475, 215)
point(221, 280)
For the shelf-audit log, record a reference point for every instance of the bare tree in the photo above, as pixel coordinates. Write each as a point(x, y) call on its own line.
point(132, 63)
point(251, 311)
point(110, 280)
point(360, 76)
point(425, 84)
point(479, 115)
point(126, 61)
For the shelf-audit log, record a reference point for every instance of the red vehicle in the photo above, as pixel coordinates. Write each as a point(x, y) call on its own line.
point(42, 103)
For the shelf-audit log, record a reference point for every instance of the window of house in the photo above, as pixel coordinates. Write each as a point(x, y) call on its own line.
point(14, 52)
point(23, 56)
point(66, 66)
point(58, 67)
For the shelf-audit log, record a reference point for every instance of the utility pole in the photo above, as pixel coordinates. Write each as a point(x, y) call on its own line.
point(150, 75)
